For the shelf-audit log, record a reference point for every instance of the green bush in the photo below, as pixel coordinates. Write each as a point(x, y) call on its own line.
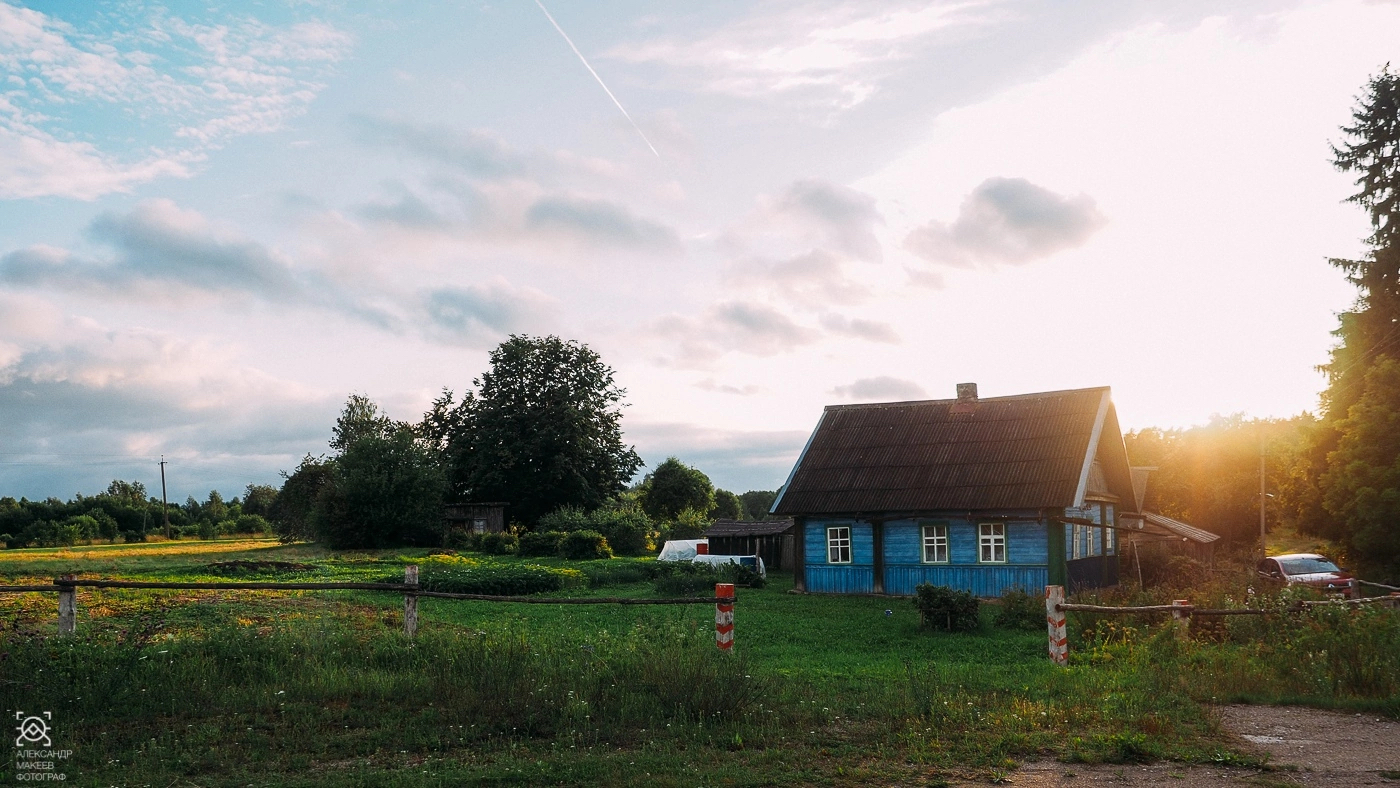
point(564, 520)
point(540, 544)
point(5, 539)
point(628, 531)
point(941, 607)
point(498, 543)
point(251, 524)
point(584, 546)
point(689, 524)
point(459, 539)
point(207, 530)
point(1020, 610)
point(496, 580)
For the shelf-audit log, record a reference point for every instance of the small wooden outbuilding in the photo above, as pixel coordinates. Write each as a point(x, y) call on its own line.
point(771, 540)
point(475, 518)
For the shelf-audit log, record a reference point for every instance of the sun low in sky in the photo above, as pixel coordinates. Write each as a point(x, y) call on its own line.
point(217, 222)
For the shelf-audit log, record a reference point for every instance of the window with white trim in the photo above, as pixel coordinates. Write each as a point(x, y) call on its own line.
point(935, 544)
point(1076, 542)
point(838, 544)
point(1109, 537)
point(991, 543)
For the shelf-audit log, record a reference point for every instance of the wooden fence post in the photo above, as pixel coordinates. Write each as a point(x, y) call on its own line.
point(67, 608)
point(724, 617)
point(1055, 624)
point(410, 601)
point(1181, 618)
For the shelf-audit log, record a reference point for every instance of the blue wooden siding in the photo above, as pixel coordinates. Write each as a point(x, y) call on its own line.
point(857, 577)
point(982, 580)
point(842, 579)
point(1025, 551)
point(862, 542)
point(1025, 542)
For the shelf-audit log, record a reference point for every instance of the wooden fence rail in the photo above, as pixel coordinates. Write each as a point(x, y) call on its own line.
point(66, 587)
point(1181, 610)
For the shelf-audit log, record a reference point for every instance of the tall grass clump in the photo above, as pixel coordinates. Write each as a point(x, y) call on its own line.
point(335, 692)
point(1020, 610)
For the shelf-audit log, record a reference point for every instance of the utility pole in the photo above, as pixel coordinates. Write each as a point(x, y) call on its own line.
point(165, 515)
point(1263, 498)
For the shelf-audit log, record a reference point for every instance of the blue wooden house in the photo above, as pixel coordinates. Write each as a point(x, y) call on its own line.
point(977, 494)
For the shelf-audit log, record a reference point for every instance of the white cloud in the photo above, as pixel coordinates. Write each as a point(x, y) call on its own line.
point(835, 52)
point(1007, 221)
point(883, 388)
point(481, 315)
point(816, 278)
point(79, 102)
point(861, 328)
point(34, 163)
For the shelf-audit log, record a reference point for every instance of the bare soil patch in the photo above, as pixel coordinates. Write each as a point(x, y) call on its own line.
point(1305, 747)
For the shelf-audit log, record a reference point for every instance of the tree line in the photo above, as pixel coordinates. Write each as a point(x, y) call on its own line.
point(124, 512)
point(1336, 474)
point(540, 430)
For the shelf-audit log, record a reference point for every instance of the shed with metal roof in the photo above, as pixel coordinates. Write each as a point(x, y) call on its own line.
point(771, 540)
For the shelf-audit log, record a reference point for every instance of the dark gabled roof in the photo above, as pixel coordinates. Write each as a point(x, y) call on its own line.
point(1023, 452)
point(748, 528)
point(1178, 528)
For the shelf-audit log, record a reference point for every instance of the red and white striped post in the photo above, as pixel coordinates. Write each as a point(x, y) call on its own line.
point(1055, 624)
point(724, 617)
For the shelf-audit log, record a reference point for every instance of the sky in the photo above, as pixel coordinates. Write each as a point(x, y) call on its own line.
point(219, 220)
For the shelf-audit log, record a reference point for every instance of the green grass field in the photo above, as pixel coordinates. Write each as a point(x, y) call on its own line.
point(234, 688)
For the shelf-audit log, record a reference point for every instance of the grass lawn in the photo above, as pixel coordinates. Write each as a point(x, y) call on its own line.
point(225, 688)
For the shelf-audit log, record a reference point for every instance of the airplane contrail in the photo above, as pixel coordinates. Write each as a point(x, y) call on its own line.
point(584, 60)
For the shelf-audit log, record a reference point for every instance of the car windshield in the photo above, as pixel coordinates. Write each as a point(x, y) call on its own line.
point(1307, 566)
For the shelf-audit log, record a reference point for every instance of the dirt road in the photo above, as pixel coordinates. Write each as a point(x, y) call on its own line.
point(1307, 747)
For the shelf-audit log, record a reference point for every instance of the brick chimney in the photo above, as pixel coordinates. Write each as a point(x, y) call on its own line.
point(967, 392)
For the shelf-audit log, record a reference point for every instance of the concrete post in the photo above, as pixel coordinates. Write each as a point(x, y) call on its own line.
point(410, 602)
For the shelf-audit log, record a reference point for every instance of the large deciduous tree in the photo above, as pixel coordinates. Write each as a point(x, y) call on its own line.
point(382, 491)
point(541, 431)
point(674, 487)
point(1358, 444)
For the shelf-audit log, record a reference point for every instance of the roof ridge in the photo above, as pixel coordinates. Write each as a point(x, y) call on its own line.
point(1007, 398)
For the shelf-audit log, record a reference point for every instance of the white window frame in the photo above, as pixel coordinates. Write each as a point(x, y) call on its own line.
point(1076, 546)
point(838, 538)
point(1110, 542)
point(934, 536)
point(479, 525)
point(990, 537)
